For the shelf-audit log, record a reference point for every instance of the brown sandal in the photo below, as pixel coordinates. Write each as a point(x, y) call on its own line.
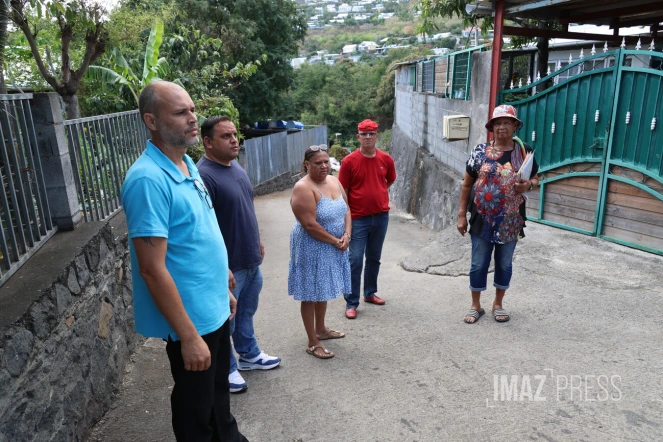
point(327, 354)
point(331, 334)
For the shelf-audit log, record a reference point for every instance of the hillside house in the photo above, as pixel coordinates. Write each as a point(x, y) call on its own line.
point(367, 46)
point(471, 32)
point(441, 35)
point(296, 63)
point(349, 49)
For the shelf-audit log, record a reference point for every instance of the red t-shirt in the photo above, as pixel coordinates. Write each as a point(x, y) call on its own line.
point(366, 180)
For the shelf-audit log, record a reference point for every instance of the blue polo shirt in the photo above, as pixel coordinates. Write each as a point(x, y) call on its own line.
point(161, 201)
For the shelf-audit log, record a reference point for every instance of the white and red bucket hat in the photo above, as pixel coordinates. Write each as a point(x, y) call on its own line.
point(504, 111)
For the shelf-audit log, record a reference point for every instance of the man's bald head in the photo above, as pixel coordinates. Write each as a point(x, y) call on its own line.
point(151, 95)
point(169, 113)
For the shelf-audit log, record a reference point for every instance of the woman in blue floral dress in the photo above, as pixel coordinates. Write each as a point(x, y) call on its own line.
point(319, 262)
point(493, 194)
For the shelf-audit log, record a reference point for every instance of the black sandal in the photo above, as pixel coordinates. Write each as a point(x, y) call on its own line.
point(476, 314)
point(501, 312)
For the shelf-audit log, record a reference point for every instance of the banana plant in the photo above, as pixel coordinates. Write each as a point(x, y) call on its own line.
point(154, 67)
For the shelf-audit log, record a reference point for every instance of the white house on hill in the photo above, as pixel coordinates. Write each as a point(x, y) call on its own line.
point(367, 46)
point(349, 49)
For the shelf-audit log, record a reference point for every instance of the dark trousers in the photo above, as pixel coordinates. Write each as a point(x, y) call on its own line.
point(200, 401)
point(368, 233)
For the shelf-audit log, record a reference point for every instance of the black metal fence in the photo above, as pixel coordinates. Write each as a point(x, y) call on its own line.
point(102, 149)
point(25, 220)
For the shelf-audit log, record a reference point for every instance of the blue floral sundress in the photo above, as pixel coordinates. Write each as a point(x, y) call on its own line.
point(319, 271)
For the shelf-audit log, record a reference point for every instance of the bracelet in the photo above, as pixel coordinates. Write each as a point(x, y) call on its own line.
point(346, 234)
point(531, 184)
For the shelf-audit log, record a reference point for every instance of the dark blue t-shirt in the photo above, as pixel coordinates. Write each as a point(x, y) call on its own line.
point(232, 195)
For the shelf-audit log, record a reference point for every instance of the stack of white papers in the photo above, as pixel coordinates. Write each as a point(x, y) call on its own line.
point(525, 172)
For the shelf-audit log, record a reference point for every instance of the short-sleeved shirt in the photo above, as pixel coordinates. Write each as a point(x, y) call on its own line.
point(366, 181)
point(497, 210)
point(160, 201)
point(232, 194)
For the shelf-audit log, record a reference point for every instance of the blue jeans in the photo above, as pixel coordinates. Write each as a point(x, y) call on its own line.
point(481, 254)
point(247, 291)
point(368, 234)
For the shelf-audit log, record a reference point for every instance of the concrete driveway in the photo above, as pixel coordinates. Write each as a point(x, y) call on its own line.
point(580, 360)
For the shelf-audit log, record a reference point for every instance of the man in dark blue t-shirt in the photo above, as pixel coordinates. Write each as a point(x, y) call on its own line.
point(232, 195)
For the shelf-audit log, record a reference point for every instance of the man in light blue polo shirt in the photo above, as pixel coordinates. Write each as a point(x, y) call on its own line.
point(180, 266)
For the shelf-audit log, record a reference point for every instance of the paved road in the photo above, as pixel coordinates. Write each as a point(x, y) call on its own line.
point(581, 359)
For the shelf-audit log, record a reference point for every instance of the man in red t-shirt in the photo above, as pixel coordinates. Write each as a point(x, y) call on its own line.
point(366, 174)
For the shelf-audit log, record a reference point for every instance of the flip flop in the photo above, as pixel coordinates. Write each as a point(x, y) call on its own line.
point(327, 355)
point(501, 312)
point(331, 334)
point(476, 314)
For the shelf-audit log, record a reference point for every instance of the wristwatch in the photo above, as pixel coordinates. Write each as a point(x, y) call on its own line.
point(531, 184)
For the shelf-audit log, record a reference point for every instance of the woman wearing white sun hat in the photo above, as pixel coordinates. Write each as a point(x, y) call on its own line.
point(492, 192)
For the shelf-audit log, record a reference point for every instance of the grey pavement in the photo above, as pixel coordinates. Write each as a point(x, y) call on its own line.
point(580, 360)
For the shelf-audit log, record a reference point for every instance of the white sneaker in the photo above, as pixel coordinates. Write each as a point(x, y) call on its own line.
point(236, 382)
point(261, 362)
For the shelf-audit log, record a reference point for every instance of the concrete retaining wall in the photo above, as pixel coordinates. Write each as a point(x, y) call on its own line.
point(424, 186)
point(284, 181)
point(66, 332)
point(430, 168)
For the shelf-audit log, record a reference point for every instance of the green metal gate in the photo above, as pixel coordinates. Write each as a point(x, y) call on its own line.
point(595, 126)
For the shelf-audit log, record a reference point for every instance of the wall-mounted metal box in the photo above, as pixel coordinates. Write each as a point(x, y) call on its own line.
point(456, 127)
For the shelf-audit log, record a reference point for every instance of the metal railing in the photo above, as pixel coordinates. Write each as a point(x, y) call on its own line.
point(102, 149)
point(448, 75)
point(25, 219)
point(272, 155)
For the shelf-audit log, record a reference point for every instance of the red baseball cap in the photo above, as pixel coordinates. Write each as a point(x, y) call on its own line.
point(367, 126)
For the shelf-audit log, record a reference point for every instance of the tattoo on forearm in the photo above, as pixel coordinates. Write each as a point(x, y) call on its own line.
point(148, 240)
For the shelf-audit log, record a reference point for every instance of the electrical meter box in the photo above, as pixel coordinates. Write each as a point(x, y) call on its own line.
point(456, 127)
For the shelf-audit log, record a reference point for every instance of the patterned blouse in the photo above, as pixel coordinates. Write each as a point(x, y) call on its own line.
point(497, 209)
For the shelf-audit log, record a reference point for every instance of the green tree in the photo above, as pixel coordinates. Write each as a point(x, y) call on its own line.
point(339, 96)
point(188, 58)
point(199, 63)
point(4, 21)
point(448, 42)
point(249, 29)
point(79, 22)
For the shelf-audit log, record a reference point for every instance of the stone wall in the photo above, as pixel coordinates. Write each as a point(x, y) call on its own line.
point(284, 181)
point(62, 356)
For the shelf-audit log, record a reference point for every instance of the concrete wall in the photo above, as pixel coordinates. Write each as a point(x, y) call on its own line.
point(419, 115)
point(66, 332)
point(430, 168)
point(424, 186)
